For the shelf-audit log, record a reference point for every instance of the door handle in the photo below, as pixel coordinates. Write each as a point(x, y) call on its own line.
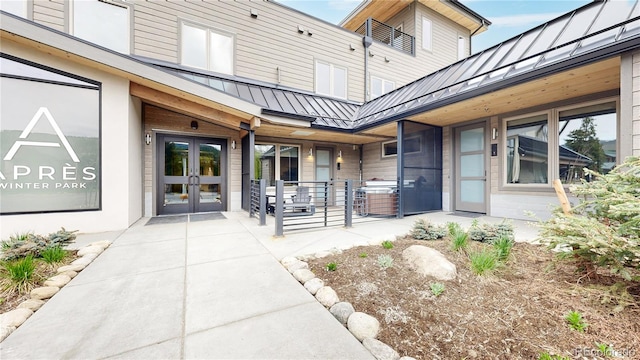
point(197, 182)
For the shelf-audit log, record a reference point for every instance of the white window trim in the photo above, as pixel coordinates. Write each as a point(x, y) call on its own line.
point(430, 48)
point(553, 166)
point(209, 30)
point(383, 82)
point(331, 85)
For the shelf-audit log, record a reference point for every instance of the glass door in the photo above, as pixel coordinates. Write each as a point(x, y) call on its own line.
point(471, 175)
point(190, 175)
point(324, 167)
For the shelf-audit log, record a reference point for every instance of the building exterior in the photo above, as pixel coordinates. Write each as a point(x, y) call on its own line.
point(174, 106)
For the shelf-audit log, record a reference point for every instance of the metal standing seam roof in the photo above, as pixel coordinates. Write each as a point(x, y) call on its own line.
point(584, 35)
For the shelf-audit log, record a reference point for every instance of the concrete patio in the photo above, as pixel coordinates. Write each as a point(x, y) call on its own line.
point(207, 289)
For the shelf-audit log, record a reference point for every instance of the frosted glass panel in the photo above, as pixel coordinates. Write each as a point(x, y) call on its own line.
point(322, 158)
point(322, 174)
point(472, 165)
point(472, 191)
point(472, 140)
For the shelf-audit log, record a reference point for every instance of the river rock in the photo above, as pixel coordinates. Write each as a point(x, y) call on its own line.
point(380, 350)
point(303, 275)
point(342, 311)
point(363, 326)
point(45, 292)
point(58, 280)
point(327, 296)
point(314, 285)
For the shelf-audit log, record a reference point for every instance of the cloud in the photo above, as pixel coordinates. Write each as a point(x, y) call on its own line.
point(527, 20)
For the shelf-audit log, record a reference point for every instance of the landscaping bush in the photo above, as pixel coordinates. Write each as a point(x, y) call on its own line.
point(425, 230)
point(490, 232)
point(21, 245)
point(604, 228)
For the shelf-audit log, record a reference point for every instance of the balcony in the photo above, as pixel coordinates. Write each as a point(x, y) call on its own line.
point(386, 34)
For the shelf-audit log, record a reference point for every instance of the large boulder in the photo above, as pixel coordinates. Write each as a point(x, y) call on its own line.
point(363, 326)
point(429, 262)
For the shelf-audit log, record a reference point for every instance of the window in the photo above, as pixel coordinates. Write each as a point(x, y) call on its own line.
point(462, 53)
point(426, 34)
point(15, 7)
point(205, 48)
point(527, 150)
point(331, 80)
point(560, 143)
point(380, 86)
point(588, 139)
point(102, 23)
point(411, 145)
point(277, 162)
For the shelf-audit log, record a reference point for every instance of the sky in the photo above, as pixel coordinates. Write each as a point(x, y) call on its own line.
point(508, 17)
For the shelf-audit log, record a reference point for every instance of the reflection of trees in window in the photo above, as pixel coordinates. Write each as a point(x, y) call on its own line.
point(584, 140)
point(175, 158)
point(286, 157)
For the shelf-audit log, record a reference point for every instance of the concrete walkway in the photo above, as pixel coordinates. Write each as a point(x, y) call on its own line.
point(209, 289)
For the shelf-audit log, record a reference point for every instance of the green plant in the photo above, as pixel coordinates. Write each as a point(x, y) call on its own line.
point(503, 247)
point(19, 274)
point(387, 244)
point(363, 255)
point(436, 288)
point(454, 228)
point(53, 255)
point(575, 320)
point(490, 232)
point(605, 350)
point(483, 262)
point(425, 230)
point(385, 261)
point(459, 240)
point(332, 266)
point(21, 245)
point(603, 230)
point(547, 356)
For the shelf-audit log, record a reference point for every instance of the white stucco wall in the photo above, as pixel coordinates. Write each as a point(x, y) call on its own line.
point(120, 155)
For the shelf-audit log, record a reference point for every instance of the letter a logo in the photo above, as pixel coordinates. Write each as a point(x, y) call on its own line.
point(42, 111)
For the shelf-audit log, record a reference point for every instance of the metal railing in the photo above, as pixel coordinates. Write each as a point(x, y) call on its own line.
point(302, 205)
point(387, 34)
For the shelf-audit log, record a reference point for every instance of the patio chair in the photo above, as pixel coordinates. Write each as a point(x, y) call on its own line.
point(300, 204)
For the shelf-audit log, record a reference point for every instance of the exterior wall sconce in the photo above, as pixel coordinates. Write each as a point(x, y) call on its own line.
point(233, 144)
point(194, 125)
point(494, 133)
point(310, 152)
point(340, 154)
point(147, 139)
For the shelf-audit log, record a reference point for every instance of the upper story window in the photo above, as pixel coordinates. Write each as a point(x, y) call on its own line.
point(427, 36)
point(15, 7)
point(103, 23)
point(380, 86)
point(331, 79)
point(206, 48)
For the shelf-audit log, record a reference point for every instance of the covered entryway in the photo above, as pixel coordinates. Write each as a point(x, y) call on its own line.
point(191, 175)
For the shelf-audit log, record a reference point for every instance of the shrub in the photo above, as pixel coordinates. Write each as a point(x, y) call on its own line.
point(503, 247)
point(21, 245)
point(604, 228)
point(436, 288)
point(19, 274)
point(459, 240)
point(454, 228)
point(53, 255)
point(387, 244)
point(385, 261)
point(363, 255)
point(425, 230)
point(332, 266)
point(490, 232)
point(483, 262)
point(575, 320)
point(547, 356)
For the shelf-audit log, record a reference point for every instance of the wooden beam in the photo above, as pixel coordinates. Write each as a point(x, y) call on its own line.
point(167, 101)
point(243, 133)
point(255, 122)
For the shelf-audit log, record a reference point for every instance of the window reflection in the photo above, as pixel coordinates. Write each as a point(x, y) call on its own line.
point(527, 150)
point(276, 162)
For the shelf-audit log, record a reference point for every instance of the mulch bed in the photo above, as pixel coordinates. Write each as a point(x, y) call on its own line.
point(516, 313)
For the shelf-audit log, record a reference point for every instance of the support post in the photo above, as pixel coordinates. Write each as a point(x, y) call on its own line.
point(348, 207)
point(400, 170)
point(263, 201)
point(279, 208)
point(562, 196)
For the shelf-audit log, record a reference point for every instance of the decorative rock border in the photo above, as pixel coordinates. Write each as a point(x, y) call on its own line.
point(364, 327)
point(11, 320)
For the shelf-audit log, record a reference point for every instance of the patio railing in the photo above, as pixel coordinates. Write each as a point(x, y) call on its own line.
point(387, 34)
point(300, 205)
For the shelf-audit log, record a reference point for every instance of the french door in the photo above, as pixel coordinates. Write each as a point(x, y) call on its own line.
point(471, 174)
point(191, 174)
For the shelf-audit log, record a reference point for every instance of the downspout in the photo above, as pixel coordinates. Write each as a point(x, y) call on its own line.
point(473, 33)
point(367, 40)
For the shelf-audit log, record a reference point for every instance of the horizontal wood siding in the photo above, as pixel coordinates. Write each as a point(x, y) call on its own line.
point(263, 44)
point(375, 166)
point(49, 13)
point(406, 17)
